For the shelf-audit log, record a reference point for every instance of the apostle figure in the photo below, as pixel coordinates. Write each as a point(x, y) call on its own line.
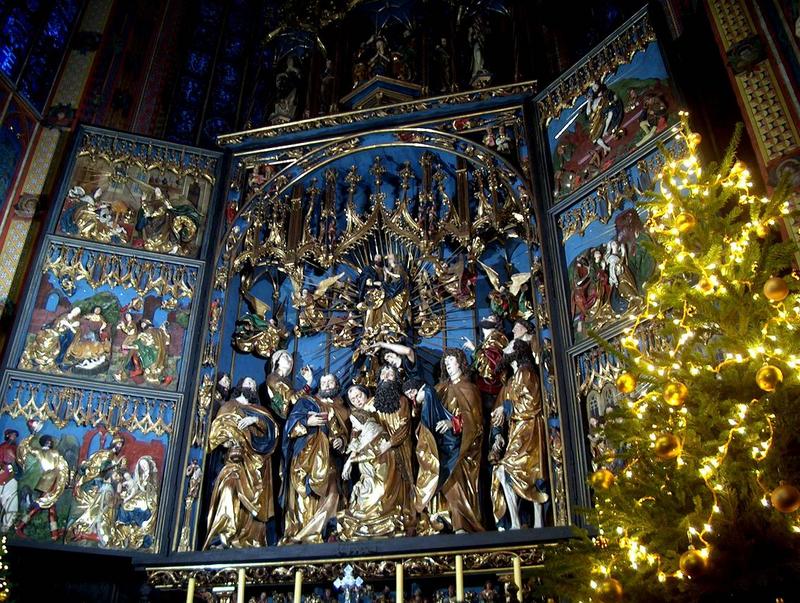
point(315, 433)
point(488, 357)
point(462, 400)
point(400, 357)
point(281, 393)
point(437, 452)
point(393, 412)
point(376, 502)
point(242, 497)
point(519, 457)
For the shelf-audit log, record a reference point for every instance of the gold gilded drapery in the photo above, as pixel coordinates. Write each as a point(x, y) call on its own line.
point(460, 490)
point(524, 458)
point(242, 497)
point(314, 469)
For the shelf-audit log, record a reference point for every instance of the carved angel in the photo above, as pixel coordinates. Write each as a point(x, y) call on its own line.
point(510, 299)
point(255, 333)
point(311, 320)
point(458, 279)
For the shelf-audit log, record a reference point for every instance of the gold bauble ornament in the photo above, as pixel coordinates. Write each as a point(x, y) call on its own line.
point(609, 591)
point(762, 230)
point(693, 564)
point(705, 285)
point(667, 446)
point(685, 222)
point(785, 498)
point(3, 596)
point(626, 383)
point(776, 289)
point(602, 479)
point(675, 393)
point(769, 377)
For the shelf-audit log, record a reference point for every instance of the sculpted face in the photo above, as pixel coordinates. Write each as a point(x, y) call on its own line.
point(393, 359)
point(388, 373)
point(452, 367)
point(518, 330)
point(357, 397)
point(327, 382)
point(285, 364)
point(249, 383)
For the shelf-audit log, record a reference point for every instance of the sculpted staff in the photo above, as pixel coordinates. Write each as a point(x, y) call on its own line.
point(521, 462)
point(316, 432)
point(242, 498)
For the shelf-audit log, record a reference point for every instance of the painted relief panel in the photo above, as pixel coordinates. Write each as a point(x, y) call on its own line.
point(616, 102)
point(602, 235)
point(82, 465)
point(596, 372)
point(109, 317)
point(137, 194)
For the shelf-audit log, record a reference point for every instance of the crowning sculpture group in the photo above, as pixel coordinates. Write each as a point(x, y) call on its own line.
point(391, 454)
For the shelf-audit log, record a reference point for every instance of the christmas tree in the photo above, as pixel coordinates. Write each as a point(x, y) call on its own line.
point(706, 438)
point(4, 591)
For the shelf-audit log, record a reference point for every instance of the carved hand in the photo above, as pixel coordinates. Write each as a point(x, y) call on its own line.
point(317, 419)
point(497, 417)
point(246, 422)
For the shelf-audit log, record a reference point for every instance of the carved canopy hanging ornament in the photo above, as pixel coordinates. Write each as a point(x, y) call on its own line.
point(283, 223)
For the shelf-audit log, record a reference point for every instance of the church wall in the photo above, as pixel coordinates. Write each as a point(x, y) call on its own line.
point(759, 43)
point(23, 210)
